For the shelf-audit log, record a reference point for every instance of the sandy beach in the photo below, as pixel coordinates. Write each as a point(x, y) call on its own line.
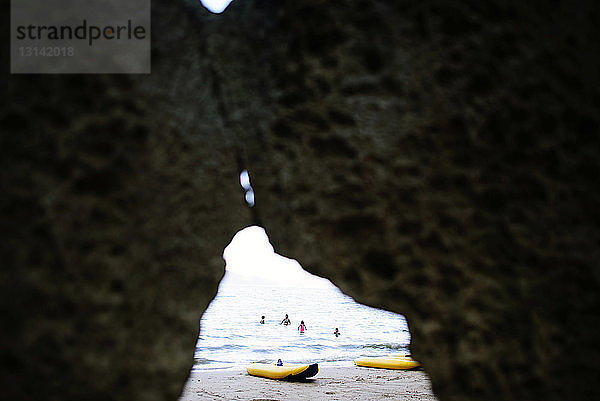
point(331, 383)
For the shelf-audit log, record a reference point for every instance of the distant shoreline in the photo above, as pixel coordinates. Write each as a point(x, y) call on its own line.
point(331, 383)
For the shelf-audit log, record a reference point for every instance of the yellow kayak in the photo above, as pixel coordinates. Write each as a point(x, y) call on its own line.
point(388, 362)
point(284, 372)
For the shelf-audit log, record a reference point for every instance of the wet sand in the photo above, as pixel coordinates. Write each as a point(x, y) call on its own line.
point(331, 383)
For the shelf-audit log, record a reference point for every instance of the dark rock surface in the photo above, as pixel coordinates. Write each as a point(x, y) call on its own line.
point(116, 206)
point(437, 159)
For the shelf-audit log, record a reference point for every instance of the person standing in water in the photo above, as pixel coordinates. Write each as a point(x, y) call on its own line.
point(286, 320)
point(302, 326)
point(336, 332)
point(262, 320)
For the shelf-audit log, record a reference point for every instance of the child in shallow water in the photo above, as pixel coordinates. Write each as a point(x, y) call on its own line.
point(302, 326)
point(336, 332)
point(262, 320)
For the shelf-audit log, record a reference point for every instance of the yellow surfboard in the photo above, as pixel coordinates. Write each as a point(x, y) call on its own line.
point(284, 372)
point(389, 362)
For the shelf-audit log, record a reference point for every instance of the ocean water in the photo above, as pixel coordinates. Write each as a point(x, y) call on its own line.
point(231, 335)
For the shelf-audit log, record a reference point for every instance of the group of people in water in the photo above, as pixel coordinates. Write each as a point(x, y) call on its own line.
point(301, 328)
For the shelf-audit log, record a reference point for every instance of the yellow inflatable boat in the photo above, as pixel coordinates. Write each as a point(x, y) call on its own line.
point(388, 362)
point(283, 372)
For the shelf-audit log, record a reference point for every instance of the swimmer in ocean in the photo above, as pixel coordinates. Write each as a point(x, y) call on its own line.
point(286, 320)
point(262, 320)
point(302, 326)
point(336, 332)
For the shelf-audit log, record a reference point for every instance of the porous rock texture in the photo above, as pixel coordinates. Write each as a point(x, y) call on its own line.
point(437, 159)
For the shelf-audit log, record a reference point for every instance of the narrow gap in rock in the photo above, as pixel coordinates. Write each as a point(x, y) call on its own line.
point(216, 6)
point(269, 309)
point(258, 282)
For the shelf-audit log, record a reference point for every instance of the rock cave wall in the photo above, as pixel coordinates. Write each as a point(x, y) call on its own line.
point(436, 159)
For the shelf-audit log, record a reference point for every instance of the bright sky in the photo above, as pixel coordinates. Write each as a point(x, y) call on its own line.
point(216, 6)
point(251, 255)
